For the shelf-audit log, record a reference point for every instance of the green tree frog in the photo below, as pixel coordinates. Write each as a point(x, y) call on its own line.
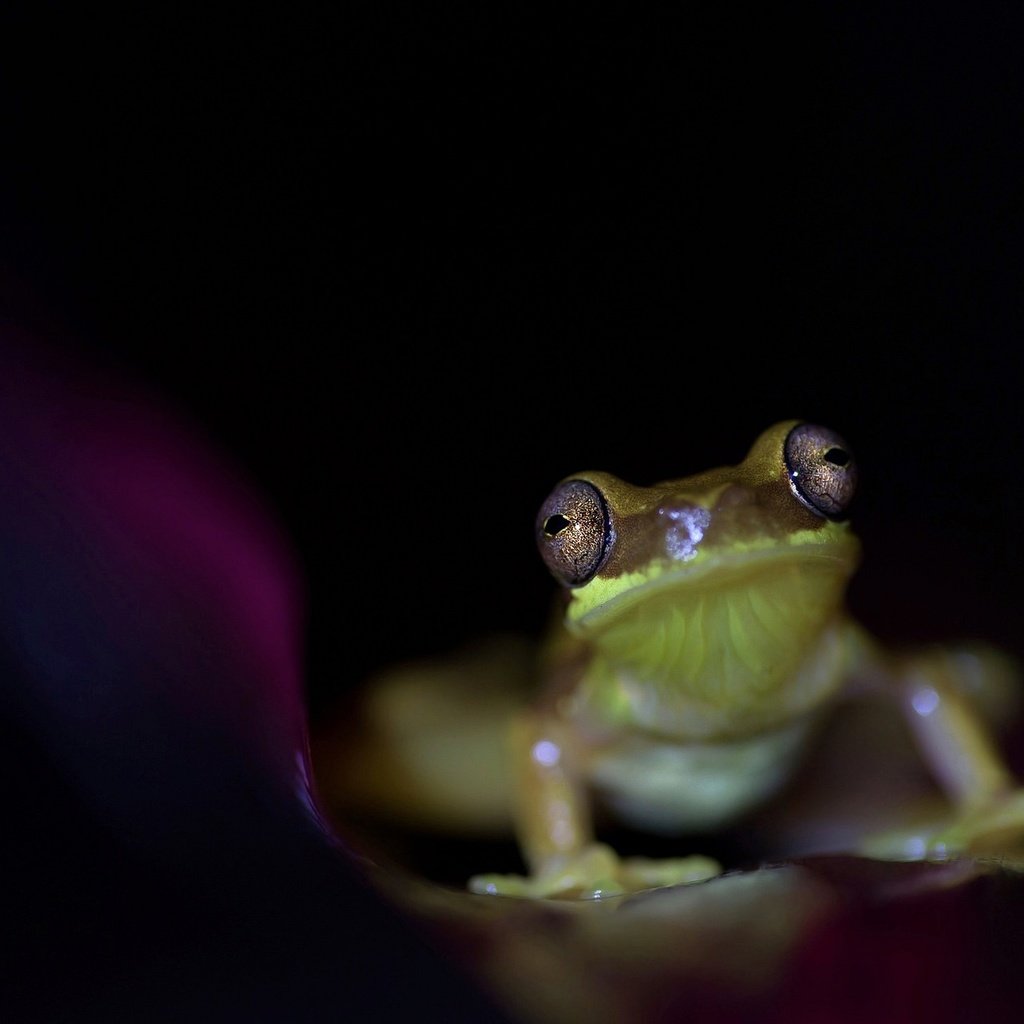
point(704, 635)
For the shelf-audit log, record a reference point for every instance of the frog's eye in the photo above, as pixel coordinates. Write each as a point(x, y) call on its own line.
point(821, 470)
point(574, 532)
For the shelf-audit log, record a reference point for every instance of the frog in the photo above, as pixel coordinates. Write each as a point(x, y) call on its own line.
point(704, 634)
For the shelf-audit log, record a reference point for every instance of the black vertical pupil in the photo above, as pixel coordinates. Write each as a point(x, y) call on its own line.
point(555, 524)
point(837, 456)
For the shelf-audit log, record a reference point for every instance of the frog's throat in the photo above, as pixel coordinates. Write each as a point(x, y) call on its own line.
point(734, 652)
point(715, 706)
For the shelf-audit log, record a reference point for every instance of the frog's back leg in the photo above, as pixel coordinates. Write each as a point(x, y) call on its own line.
point(425, 744)
point(954, 701)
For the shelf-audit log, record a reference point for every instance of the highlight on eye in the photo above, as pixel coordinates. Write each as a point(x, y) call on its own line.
point(821, 469)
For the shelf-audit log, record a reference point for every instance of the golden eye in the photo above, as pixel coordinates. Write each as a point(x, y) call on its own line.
point(574, 532)
point(821, 469)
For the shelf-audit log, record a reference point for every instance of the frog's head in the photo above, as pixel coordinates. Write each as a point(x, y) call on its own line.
point(741, 565)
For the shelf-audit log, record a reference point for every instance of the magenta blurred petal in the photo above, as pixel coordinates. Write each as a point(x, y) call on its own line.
point(163, 856)
point(150, 597)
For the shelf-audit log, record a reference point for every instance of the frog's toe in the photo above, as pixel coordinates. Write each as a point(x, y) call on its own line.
point(589, 874)
point(933, 841)
point(500, 885)
point(994, 830)
point(644, 873)
point(596, 872)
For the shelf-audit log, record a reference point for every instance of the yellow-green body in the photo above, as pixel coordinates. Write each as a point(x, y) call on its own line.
point(704, 636)
point(707, 642)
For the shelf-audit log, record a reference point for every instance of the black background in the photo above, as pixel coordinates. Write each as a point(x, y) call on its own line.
point(408, 271)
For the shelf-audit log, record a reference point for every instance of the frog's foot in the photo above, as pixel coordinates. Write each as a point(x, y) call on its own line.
point(597, 872)
point(993, 830)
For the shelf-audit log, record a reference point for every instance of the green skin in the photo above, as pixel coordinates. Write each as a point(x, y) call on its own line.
point(694, 661)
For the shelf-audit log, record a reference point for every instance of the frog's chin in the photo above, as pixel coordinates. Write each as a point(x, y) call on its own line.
point(810, 577)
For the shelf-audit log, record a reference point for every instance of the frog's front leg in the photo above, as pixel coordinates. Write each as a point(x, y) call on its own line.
point(555, 829)
point(938, 692)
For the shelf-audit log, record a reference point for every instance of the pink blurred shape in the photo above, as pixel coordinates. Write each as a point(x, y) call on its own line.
point(188, 615)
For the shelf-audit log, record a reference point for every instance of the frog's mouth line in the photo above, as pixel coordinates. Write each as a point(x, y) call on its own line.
point(604, 601)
